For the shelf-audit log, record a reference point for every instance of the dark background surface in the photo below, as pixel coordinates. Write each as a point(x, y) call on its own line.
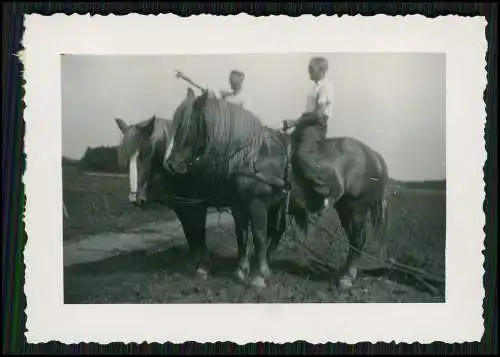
point(13, 162)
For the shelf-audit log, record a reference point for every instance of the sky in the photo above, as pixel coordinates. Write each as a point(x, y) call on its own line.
point(393, 102)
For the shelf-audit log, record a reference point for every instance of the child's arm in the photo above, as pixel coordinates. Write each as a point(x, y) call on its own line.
point(179, 74)
point(217, 93)
point(306, 118)
point(225, 93)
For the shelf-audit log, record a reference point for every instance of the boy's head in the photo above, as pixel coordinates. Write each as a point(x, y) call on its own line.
point(318, 66)
point(236, 79)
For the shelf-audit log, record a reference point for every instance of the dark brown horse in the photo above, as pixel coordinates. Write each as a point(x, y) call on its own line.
point(143, 149)
point(250, 164)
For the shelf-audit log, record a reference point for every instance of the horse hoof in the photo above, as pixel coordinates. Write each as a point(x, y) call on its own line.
point(259, 282)
point(240, 275)
point(202, 273)
point(345, 283)
point(265, 272)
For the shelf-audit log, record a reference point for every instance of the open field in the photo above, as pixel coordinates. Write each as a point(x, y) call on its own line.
point(97, 204)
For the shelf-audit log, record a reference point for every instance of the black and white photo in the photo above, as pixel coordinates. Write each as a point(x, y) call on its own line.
point(383, 168)
point(328, 175)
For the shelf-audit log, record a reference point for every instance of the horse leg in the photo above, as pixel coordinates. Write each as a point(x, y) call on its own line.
point(275, 230)
point(258, 219)
point(193, 221)
point(241, 225)
point(353, 216)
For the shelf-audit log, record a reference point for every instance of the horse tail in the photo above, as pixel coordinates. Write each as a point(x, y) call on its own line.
point(380, 207)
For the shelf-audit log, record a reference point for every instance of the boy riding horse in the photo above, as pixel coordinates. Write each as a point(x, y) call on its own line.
point(310, 130)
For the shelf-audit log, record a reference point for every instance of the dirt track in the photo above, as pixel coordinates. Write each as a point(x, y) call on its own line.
point(151, 264)
point(150, 237)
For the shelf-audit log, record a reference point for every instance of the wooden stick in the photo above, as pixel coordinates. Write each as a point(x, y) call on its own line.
point(180, 75)
point(416, 271)
point(428, 286)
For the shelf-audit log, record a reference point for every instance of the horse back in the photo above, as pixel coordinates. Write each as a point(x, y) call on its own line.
point(360, 167)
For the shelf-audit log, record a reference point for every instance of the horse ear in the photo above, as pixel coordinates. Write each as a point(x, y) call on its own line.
point(121, 124)
point(190, 93)
point(148, 127)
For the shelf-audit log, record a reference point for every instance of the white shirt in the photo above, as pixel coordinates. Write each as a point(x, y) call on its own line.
point(321, 93)
point(241, 98)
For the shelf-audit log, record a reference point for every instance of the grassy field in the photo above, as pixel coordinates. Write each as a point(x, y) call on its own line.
point(97, 204)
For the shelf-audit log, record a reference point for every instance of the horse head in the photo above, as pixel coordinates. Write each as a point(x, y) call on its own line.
point(142, 149)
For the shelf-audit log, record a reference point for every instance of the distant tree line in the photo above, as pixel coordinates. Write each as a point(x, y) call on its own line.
point(66, 161)
point(97, 159)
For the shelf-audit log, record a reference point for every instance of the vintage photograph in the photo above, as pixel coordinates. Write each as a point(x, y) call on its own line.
point(254, 178)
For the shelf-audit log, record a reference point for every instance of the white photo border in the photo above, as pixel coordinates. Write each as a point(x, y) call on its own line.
point(459, 319)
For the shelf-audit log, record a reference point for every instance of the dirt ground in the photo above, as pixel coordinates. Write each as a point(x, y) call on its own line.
point(157, 268)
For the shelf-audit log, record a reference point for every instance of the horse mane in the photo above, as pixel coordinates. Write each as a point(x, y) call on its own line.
point(133, 141)
point(183, 114)
point(233, 135)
